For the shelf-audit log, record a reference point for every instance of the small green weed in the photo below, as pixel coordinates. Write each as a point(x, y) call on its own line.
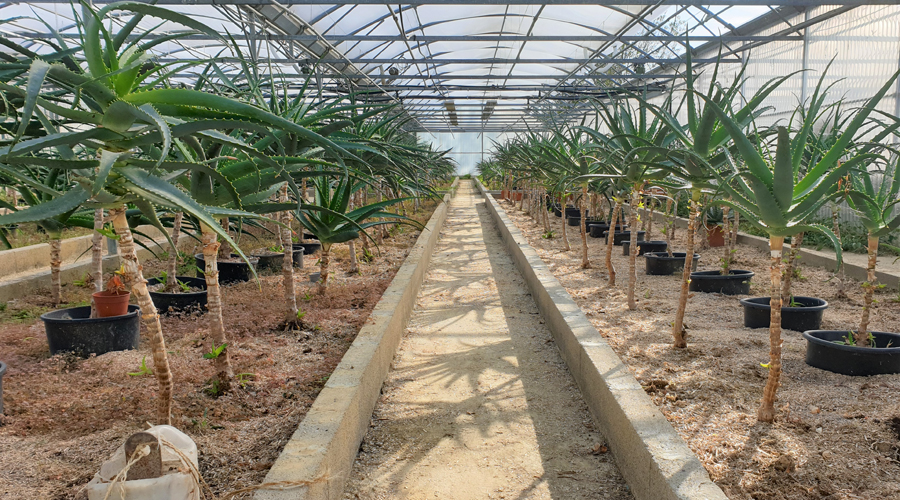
point(143, 369)
point(216, 351)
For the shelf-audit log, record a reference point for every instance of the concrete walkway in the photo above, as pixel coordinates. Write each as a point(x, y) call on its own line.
point(479, 404)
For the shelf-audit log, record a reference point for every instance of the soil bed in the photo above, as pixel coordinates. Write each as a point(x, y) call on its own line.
point(836, 436)
point(65, 416)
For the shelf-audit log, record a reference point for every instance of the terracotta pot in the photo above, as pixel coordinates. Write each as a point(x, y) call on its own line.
point(517, 196)
point(111, 304)
point(504, 193)
point(716, 236)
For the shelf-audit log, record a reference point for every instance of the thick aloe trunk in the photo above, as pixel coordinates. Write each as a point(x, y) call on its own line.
point(287, 264)
point(300, 237)
point(97, 257)
point(836, 226)
point(323, 263)
point(726, 248)
point(669, 225)
point(134, 276)
point(585, 262)
point(862, 336)
point(545, 217)
point(354, 263)
point(633, 248)
point(678, 331)
point(224, 372)
point(172, 271)
point(55, 267)
point(224, 247)
point(796, 241)
point(565, 223)
point(610, 237)
point(649, 235)
point(766, 412)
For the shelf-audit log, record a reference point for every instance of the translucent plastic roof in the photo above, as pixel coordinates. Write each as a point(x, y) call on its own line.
point(459, 67)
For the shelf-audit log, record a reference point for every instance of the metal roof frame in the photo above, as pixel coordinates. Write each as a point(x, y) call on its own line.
point(403, 53)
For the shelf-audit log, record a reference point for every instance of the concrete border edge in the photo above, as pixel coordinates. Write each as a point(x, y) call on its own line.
point(653, 458)
point(324, 446)
point(809, 256)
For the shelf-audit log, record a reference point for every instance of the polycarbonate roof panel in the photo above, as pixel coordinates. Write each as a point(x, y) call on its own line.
point(494, 61)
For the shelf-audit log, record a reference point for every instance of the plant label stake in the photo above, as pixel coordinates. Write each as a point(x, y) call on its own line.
point(148, 466)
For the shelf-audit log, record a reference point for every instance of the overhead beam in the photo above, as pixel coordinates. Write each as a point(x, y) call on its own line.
point(449, 76)
point(453, 38)
point(501, 60)
point(736, 3)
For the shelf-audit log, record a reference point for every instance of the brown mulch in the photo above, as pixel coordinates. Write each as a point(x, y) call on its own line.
point(65, 416)
point(836, 437)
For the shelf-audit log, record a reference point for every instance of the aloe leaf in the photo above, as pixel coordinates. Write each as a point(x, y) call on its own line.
point(838, 149)
point(107, 160)
point(55, 207)
point(36, 76)
point(783, 175)
point(160, 192)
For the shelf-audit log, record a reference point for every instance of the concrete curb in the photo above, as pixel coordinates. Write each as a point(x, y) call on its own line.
point(324, 446)
point(27, 269)
point(652, 457)
point(812, 257)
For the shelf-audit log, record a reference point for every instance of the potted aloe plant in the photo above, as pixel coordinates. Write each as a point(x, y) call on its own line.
point(724, 280)
point(777, 196)
point(862, 351)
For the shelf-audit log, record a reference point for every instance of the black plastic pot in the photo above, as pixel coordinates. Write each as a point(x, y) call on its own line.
point(229, 272)
point(736, 282)
point(573, 220)
point(598, 229)
point(574, 212)
point(268, 261)
point(660, 264)
point(644, 246)
point(621, 236)
point(309, 248)
point(557, 211)
point(806, 317)
point(822, 352)
point(178, 302)
point(315, 277)
point(273, 261)
point(2, 373)
point(73, 330)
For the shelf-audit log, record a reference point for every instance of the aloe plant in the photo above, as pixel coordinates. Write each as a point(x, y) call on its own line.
point(329, 219)
point(875, 207)
point(129, 128)
point(774, 195)
point(634, 152)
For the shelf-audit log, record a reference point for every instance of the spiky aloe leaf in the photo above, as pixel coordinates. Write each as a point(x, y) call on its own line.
point(107, 160)
point(36, 75)
point(55, 207)
point(161, 193)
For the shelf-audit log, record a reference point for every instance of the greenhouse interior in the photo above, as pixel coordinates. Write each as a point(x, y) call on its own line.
point(461, 250)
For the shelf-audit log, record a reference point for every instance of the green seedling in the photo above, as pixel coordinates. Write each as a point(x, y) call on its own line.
point(143, 369)
point(81, 282)
point(243, 378)
point(367, 256)
point(548, 235)
point(307, 297)
point(300, 314)
point(276, 249)
point(216, 351)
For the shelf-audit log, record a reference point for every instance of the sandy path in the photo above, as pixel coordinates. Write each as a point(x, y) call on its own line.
point(479, 404)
